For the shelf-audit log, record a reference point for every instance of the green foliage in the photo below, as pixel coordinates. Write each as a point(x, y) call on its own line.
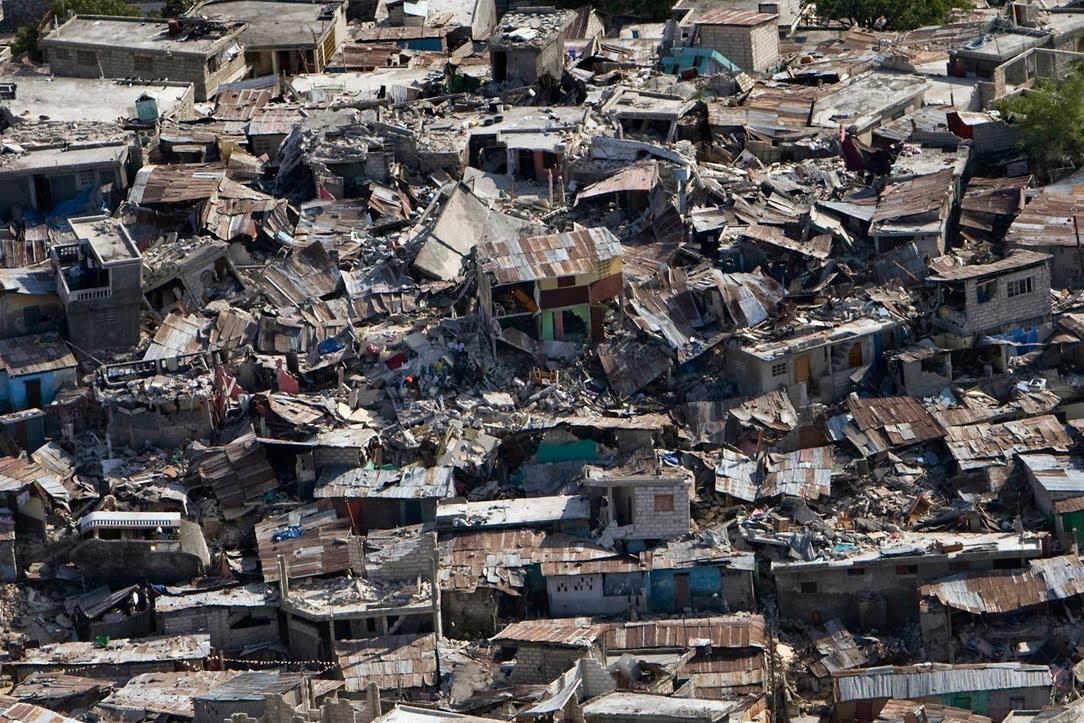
point(1051, 120)
point(176, 8)
point(94, 7)
point(26, 43)
point(889, 14)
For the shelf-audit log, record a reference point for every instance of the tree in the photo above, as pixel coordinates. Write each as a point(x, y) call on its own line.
point(889, 14)
point(26, 43)
point(1051, 119)
point(63, 8)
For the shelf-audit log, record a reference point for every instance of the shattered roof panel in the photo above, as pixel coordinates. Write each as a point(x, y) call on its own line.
point(120, 652)
point(563, 632)
point(408, 483)
point(974, 444)
point(547, 257)
point(1005, 591)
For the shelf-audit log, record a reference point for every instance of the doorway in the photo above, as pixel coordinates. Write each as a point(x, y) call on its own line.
point(801, 369)
point(682, 598)
point(500, 66)
point(33, 393)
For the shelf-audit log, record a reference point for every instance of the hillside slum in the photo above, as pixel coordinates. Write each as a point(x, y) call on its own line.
point(427, 361)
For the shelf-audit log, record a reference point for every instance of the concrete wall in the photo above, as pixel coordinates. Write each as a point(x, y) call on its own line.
point(79, 60)
point(865, 600)
point(525, 65)
point(1003, 312)
point(135, 426)
point(571, 595)
point(13, 390)
point(231, 629)
point(13, 317)
point(469, 615)
point(752, 48)
point(543, 664)
point(654, 524)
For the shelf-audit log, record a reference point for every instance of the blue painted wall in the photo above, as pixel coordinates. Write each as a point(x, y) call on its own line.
point(13, 389)
point(705, 589)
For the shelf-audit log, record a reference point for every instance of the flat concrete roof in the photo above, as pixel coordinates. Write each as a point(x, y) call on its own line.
point(140, 33)
point(269, 23)
point(85, 99)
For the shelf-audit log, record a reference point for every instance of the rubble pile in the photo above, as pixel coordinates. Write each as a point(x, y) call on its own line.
point(430, 361)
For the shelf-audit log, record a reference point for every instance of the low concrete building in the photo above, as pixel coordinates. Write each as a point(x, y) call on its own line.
point(103, 100)
point(32, 370)
point(28, 302)
point(1008, 299)
point(992, 689)
point(748, 39)
point(99, 281)
point(529, 45)
point(126, 547)
point(873, 586)
point(644, 507)
point(282, 37)
point(812, 365)
point(236, 618)
point(1057, 486)
point(544, 649)
point(921, 370)
point(188, 50)
point(550, 288)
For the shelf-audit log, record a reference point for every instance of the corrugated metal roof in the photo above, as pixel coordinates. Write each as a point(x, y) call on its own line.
point(168, 694)
point(930, 679)
point(37, 354)
point(722, 16)
point(803, 473)
point(393, 662)
point(546, 257)
point(120, 652)
point(14, 711)
point(1014, 261)
point(325, 545)
point(562, 632)
point(974, 443)
point(410, 483)
point(1048, 220)
point(1003, 591)
point(722, 631)
point(901, 420)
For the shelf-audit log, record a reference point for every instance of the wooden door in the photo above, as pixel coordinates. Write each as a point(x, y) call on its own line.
point(801, 369)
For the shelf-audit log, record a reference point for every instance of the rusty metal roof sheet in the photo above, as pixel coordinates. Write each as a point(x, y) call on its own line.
point(1048, 220)
point(931, 679)
point(803, 473)
point(408, 483)
point(562, 632)
point(38, 354)
point(393, 662)
point(902, 711)
point(975, 443)
point(545, 257)
point(1004, 591)
point(125, 651)
point(595, 567)
point(238, 473)
point(743, 630)
point(325, 544)
point(722, 16)
point(180, 183)
point(637, 177)
point(15, 711)
point(240, 103)
point(817, 247)
point(498, 558)
point(901, 420)
point(166, 694)
point(1013, 262)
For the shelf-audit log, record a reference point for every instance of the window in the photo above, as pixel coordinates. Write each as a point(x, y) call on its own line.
point(1018, 287)
point(59, 54)
point(31, 317)
point(959, 565)
point(856, 572)
point(664, 503)
point(809, 587)
point(212, 64)
point(86, 178)
point(986, 292)
point(565, 281)
point(86, 57)
point(779, 369)
point(1007, 563)
point(143, 63)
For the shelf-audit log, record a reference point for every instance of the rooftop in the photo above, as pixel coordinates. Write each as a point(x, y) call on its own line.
point(185, 37)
